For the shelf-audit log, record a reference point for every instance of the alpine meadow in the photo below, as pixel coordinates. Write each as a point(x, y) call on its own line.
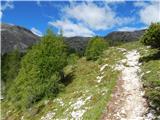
point(80, 60)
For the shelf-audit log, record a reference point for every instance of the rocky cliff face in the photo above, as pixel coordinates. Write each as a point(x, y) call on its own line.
point(16, 37)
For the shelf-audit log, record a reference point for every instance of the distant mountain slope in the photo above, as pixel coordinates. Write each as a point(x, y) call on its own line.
point(125, 35)
point(16, 37)
point(77, 43)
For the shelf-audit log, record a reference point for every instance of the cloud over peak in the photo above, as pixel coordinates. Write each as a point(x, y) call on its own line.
point(88, 17)
point(91, 15)
point(36, 31)
point(71, 29)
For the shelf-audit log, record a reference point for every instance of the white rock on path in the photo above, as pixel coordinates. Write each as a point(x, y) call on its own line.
point(134, 106)
point(99, 78)
point(148, 72)
point(122, 49)
point(60, 101)
point(78, 114)
point(78, 111)
point(103, 67)
point(49, 116)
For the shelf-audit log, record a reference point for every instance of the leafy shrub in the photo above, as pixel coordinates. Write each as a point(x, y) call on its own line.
point(152, 36)
point(10, 66)
point(95, 47)
point(115, 42)
point(40, 72)
point(72, 59)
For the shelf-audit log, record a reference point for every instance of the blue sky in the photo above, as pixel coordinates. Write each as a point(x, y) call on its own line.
point(81, 18)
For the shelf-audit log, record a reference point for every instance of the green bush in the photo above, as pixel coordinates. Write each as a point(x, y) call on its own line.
point(115, 42)
point(95, 48)
point(152, 36)
point(72, 58)
point(40, 72)
point(10, 64)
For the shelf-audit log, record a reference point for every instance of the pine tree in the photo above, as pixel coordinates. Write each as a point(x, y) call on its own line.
point(40, 73)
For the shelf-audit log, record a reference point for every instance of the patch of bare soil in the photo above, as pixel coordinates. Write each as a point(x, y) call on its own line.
point(115, 103)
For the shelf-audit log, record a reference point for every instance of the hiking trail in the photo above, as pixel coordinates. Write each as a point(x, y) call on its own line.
point(127, 101)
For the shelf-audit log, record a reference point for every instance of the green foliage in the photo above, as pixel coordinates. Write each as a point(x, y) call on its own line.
point(115, 42)
point(73, 58)
point(10, 66)
point(40, 72)
point(95, 48)
point(152, 36)
point(151, 79)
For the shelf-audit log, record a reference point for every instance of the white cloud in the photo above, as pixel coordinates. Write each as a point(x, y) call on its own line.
point(94, 16)
point(88, 17)
point(130, 28)
point(71, 29)
point(114, 1)
point(36, 31)
point(140, 4)
point(6, 5)
point(121, 21)
point(1, 14)
point(38, 2)
point(150, 13)
point(91, 15)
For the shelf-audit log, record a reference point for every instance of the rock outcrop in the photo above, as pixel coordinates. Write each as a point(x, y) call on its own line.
point(16, 37)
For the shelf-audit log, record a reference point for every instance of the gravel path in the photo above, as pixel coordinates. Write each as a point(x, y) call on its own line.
point(127, 100)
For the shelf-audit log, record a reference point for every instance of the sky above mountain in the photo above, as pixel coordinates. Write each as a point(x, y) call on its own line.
point(83, 18)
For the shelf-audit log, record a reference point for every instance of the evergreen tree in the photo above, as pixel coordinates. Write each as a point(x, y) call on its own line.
point(40, 72)
point(95, 48)
point(10, 64)
point(152, 36)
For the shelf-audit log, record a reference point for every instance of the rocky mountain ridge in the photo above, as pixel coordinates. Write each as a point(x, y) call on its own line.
point(16, 37)
point(125, 35)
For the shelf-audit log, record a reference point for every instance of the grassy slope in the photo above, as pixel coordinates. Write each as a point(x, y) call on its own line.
point(151, 76)
point(84, 84)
